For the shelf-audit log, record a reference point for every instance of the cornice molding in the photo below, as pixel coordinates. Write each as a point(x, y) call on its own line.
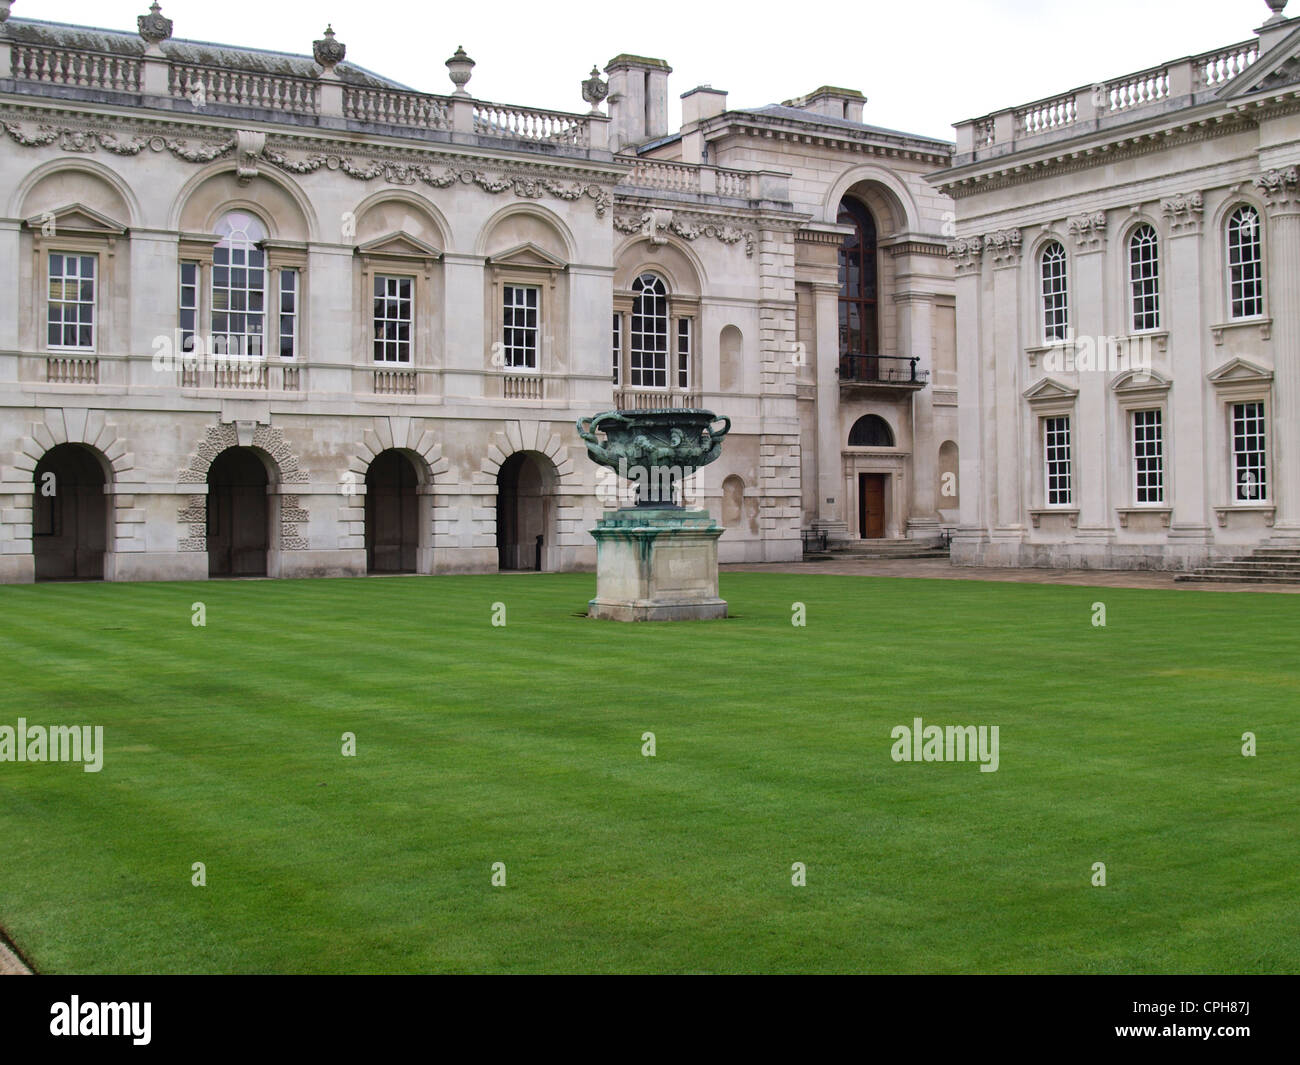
point(917, 247)
point(1014, 169)
point(494, 178)
point(868, 141)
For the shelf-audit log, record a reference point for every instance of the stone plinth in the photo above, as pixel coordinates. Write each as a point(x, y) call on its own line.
point(657, 564)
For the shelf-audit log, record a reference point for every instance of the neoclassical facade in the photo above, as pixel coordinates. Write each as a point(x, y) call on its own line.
point(278, 315)
point(1127, 264)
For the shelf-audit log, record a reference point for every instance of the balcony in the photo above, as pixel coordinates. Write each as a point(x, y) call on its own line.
point(882, 373)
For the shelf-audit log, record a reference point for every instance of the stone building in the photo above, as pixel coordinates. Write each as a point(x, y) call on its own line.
point(1127, 266)
point(277, 314)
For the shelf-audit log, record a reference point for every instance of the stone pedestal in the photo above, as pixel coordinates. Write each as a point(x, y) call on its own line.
point(657, 564)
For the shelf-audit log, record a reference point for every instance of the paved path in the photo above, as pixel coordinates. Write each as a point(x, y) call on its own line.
point(9, 963)
point(943, 570)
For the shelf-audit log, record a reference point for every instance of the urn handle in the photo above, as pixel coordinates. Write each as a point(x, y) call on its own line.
point(715, 434)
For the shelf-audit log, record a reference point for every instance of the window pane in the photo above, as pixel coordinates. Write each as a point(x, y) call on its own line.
point(648, 347)
point(1249, 455)
point(71, 301)
point(1245, 264)
point(392, 319)
point(1148, 457)
point(1055, 293)
point(1057, 461)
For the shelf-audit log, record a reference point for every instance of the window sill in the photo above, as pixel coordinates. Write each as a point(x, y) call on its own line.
point(1267, 509)
point(1071, 515)
point(1127, 512)
point(1264, 325)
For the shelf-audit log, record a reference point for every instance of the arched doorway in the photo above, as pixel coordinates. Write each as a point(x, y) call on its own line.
point(525, 511)
point(392, 514)
point(69, 515)
point(239, 519)
point(874, 486)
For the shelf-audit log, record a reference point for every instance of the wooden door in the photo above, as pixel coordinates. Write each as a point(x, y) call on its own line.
point(871, 505)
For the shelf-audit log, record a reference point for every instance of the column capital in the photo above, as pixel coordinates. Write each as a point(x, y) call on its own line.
point(1088, 231)
point(966, 255)
point(1184, 213)
point(1280, 189)
point(1003, 246)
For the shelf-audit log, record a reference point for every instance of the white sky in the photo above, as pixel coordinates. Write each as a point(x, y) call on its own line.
point(923, 64)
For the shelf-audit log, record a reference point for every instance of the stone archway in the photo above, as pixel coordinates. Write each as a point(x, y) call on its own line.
point(286, 513)
point(564, 540)
point(70, 515)
point(238, 514)
point(51, 428)
point(526, 511)
point(392, 514)
point(414, 439)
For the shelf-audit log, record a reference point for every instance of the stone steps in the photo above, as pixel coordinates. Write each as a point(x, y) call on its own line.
point(876, 550)
point(1265, 565)
point(1200, 577)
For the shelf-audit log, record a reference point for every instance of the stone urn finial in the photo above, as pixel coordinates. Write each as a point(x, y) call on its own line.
point(328, 52)
point(459, 67)
point(5, 5)
point(153, 27)
point(1277, 7)
point(594, 90)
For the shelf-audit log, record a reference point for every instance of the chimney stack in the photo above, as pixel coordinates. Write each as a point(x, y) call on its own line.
point(638, 100)
point(832, 102)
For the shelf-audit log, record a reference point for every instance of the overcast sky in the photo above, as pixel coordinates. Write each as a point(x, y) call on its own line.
point(923, 64)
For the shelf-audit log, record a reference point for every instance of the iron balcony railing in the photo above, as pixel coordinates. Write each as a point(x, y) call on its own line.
point(900, 370)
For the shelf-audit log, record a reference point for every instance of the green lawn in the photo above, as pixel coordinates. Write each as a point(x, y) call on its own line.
point(480, 744)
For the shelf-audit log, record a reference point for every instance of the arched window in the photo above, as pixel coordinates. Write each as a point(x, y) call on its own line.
point(871, 430)
point(1245, 263)
point(1144, 277)
point(648, 349)
point(239, 287)
point(859, 314)
point(1056, 301)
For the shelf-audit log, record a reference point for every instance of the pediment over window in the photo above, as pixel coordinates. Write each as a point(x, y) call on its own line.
point(1140, 380)
point(399, 246)
point(1238, 372)
point(79, 219)
point(1049, 390)
point(529, 256)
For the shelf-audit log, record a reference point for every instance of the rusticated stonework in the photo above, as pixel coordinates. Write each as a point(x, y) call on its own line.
point(193, 510)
